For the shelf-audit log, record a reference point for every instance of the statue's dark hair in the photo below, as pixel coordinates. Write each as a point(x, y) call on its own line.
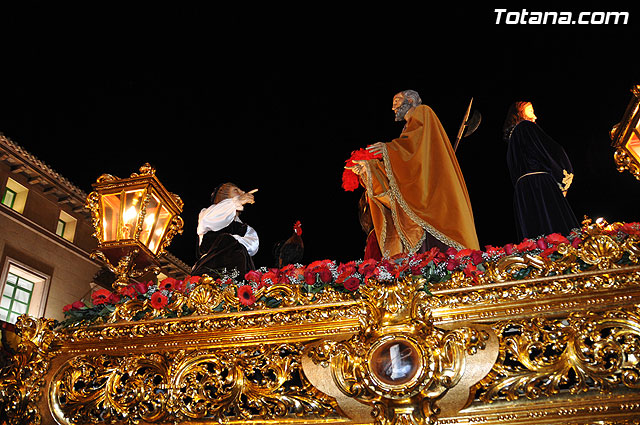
point(514, 117)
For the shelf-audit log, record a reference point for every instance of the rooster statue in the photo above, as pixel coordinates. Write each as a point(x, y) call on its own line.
point(290, 251)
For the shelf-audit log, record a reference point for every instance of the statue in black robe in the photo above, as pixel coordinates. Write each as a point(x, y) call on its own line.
point(541, 174)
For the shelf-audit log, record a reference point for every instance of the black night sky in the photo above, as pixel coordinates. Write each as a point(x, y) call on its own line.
point(277, 101)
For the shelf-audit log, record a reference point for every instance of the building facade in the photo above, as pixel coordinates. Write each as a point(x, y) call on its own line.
point(46, 239)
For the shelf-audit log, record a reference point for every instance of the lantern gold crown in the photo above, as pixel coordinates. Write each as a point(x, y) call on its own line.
point(625, 137)
point(134, 220)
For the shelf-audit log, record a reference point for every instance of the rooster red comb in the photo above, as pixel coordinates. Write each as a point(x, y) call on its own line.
point(297, 227)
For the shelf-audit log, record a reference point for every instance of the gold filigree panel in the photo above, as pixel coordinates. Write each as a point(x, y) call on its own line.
point(215, 385)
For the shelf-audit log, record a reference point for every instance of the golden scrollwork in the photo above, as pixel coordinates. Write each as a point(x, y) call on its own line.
point(626, 162)
point(399, 364)
point(93, 205)
point(218, 385)
point(21, 382)
point(534, 339)
point(584, 352)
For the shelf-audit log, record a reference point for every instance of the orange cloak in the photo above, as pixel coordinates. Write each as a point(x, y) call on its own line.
point(417, 188)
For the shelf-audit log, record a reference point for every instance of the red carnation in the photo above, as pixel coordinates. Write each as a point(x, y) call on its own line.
point(129, 291)
point(345, 271)
point(476, 257)
point(286, 273)
point(193, 279)
point(452, 263)
point(100, 296)
point(431, 255)
point(253, 276)
point(508, 248)
point(470, 270)
point(269, 278)
point(347, 268)
point(309, 277)
point(76, 305)
point(142, 287)
point(463, 253)
point(492, 250)
point(367, 268)
point(168, 284)
point(526, 245)
point(179, 286)
point(541, 243)
point(351, 284)
point(556, 239)
point(325, 275)
point(245, 295)
point(158, 300)
point(631, 229)
point(350, 180)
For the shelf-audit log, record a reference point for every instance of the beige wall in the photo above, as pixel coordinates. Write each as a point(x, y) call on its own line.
point(69, 268)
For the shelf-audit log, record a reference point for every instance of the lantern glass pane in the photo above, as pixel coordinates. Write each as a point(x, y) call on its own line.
point(150, 219)
point(130, 213)
point(633, 145)
point(162, 221)
point(110, 216)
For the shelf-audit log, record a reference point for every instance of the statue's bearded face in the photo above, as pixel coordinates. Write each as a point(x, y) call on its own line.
point(401, 106)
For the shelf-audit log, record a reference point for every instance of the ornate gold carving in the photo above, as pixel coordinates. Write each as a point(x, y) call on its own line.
point(222, 385)
point(584, 352)
point(399, 364)
point(21, 382)
point(624, 132)
point(221, 329)
point(559, 334)
point(626, 162)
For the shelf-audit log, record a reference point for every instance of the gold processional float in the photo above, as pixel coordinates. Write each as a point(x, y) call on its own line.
point(543, 332)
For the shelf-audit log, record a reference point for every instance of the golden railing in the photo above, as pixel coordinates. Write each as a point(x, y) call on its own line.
point(529, 341)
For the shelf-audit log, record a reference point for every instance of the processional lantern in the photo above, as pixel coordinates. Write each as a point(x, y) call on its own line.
point(625, 137)
point(134, 220)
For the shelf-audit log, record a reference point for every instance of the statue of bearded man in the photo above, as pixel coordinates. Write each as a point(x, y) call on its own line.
point(417, 195)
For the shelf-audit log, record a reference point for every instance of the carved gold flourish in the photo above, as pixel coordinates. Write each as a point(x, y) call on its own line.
point(585, 352)
point(262, 382)
point(195, 325)
point(22, 380)
point(395, 315)
point(626, 162)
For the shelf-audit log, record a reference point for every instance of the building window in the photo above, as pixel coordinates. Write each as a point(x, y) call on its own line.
point(9, 197)
point(23, 292)
point(15, 196)
point(60, 228)
point(16, 298)
point(66, 226)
